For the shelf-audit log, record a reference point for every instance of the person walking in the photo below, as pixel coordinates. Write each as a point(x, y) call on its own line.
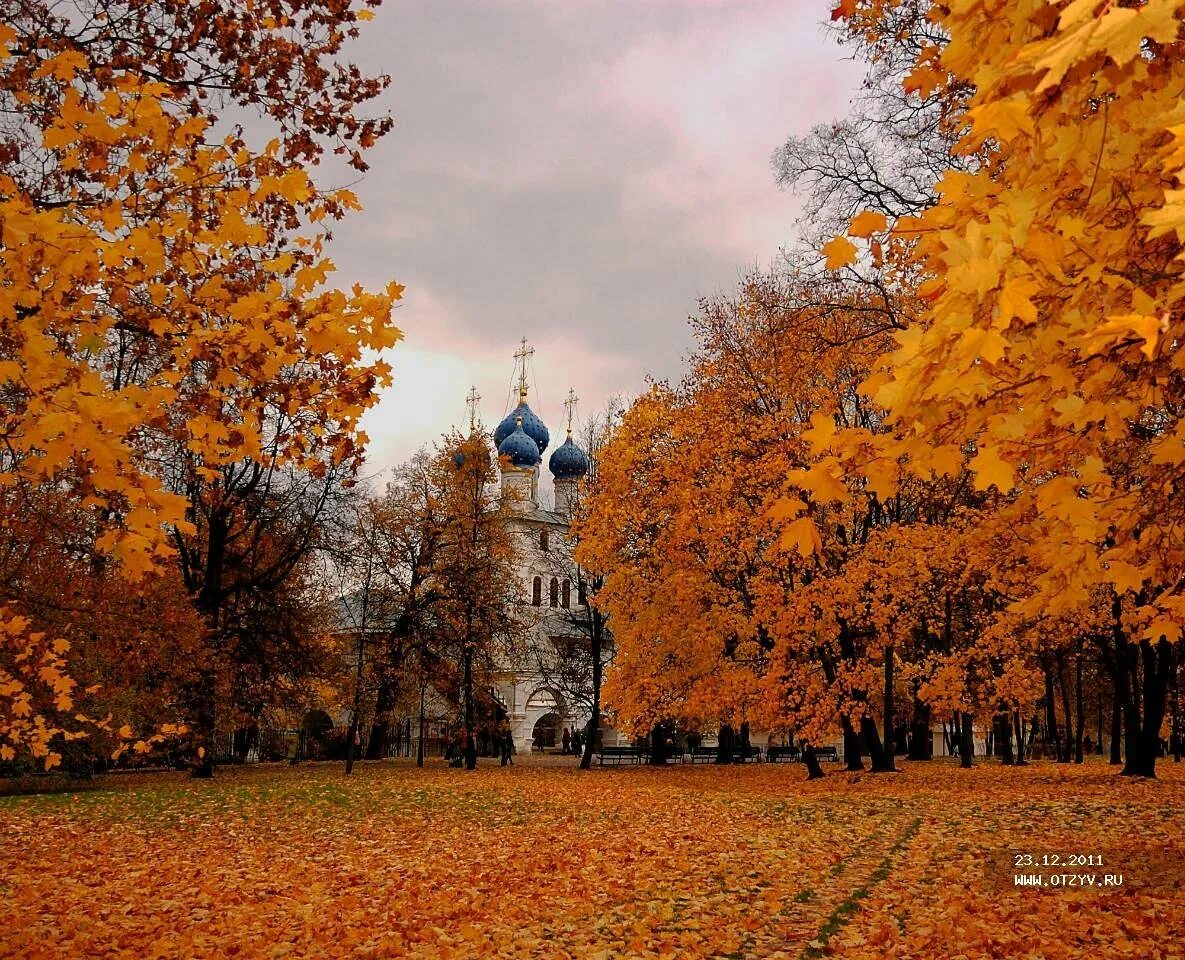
point(567, 741)
point(506, 744)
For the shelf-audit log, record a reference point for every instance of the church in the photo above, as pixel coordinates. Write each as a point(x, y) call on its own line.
point(548, 687)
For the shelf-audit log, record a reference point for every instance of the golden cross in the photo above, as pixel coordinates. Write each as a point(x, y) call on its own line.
point(570, 405)
point(471, 402)
point(522, 353)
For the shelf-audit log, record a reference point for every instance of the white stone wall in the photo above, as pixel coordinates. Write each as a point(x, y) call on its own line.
point(523, 690)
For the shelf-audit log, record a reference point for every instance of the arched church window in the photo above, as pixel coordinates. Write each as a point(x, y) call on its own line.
point(555, 591)
point(537, 592)
point(566, 595)
point(543, 540)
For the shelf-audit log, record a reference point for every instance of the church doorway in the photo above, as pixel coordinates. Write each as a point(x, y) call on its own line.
point(546, 732)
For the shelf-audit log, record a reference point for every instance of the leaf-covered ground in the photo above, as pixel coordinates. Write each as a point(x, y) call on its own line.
point(548, 862)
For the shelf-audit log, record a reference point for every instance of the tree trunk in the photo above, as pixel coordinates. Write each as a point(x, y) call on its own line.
point(1080, 720)
point(921, 741)
point(725, 744)
point(380, 728)
point(966, 741)
point(1064, 688)
point(1052, 734)
point(852, 753)
point(1175, 727)
point(1158, 664)
point(1130, 665)
point(1118, 708)
point(420, 739)
point(352, 733)
point(209, 605)
point(814, 771)
point(1019, 729)
point(658, 745)
point(470, 734)
point(876, 747)
point(889, 765)
point(594, 723)
point(1099, 704)
point(1003, 726)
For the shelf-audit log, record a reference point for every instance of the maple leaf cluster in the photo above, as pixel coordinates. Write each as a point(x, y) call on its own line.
point(164, 316)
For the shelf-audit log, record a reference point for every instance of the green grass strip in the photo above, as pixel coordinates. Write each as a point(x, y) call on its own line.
point(842, 915)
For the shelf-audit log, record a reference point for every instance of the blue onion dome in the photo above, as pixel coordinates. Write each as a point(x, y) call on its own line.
point(568, 462)
point(519, 448)
point(532, 426)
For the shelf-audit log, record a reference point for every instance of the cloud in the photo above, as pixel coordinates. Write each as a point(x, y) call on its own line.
point(580, 174)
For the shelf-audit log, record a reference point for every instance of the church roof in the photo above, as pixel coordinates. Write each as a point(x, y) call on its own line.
point(519, 448)
point(533, 427)
point(568, 462)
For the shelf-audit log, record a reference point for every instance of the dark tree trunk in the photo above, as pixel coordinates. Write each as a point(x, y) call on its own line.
point(881, 762)
point(1080, 720)
point(1118, 708)
point(380, 729)
point(966, 741)
point(245, 739)
point(1003, 726)
point(725, 744)
point(949, 741)
point(814, 771)
point(594, 723)
point(209, 605)
point(1099, 705)
point(1158, 665)
point(852, 752)
point(658, 745)
point(470, 733)
point(1064, 689)
point(420, 739)
point(1175, 727)
point(1052, 734)
point(1130, 665)
point(889, 765)
point(355, 718)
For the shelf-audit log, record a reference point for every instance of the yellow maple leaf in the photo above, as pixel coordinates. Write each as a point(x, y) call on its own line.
point(840, 252)
point(867, 223)
point(802, 536)
point(990, 469)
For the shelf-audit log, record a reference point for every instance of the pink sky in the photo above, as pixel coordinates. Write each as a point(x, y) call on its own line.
point(577, 173)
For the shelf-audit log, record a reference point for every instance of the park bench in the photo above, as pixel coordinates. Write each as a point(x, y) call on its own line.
point(779, 754)
point(743, 756)
point(622, 755)
point(702, 754)
point(829, 754)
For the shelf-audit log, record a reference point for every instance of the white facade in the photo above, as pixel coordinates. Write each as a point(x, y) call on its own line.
point(536, 700)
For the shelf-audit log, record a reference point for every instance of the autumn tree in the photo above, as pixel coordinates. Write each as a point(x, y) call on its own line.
point(684, 496)
point(131, 653)
point(1050, 272)
point(430, 584)
point(165, 323)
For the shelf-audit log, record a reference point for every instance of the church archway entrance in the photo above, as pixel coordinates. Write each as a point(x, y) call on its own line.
point(546, 732)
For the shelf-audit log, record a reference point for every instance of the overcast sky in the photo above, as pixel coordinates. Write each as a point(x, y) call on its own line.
point(578, 173)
